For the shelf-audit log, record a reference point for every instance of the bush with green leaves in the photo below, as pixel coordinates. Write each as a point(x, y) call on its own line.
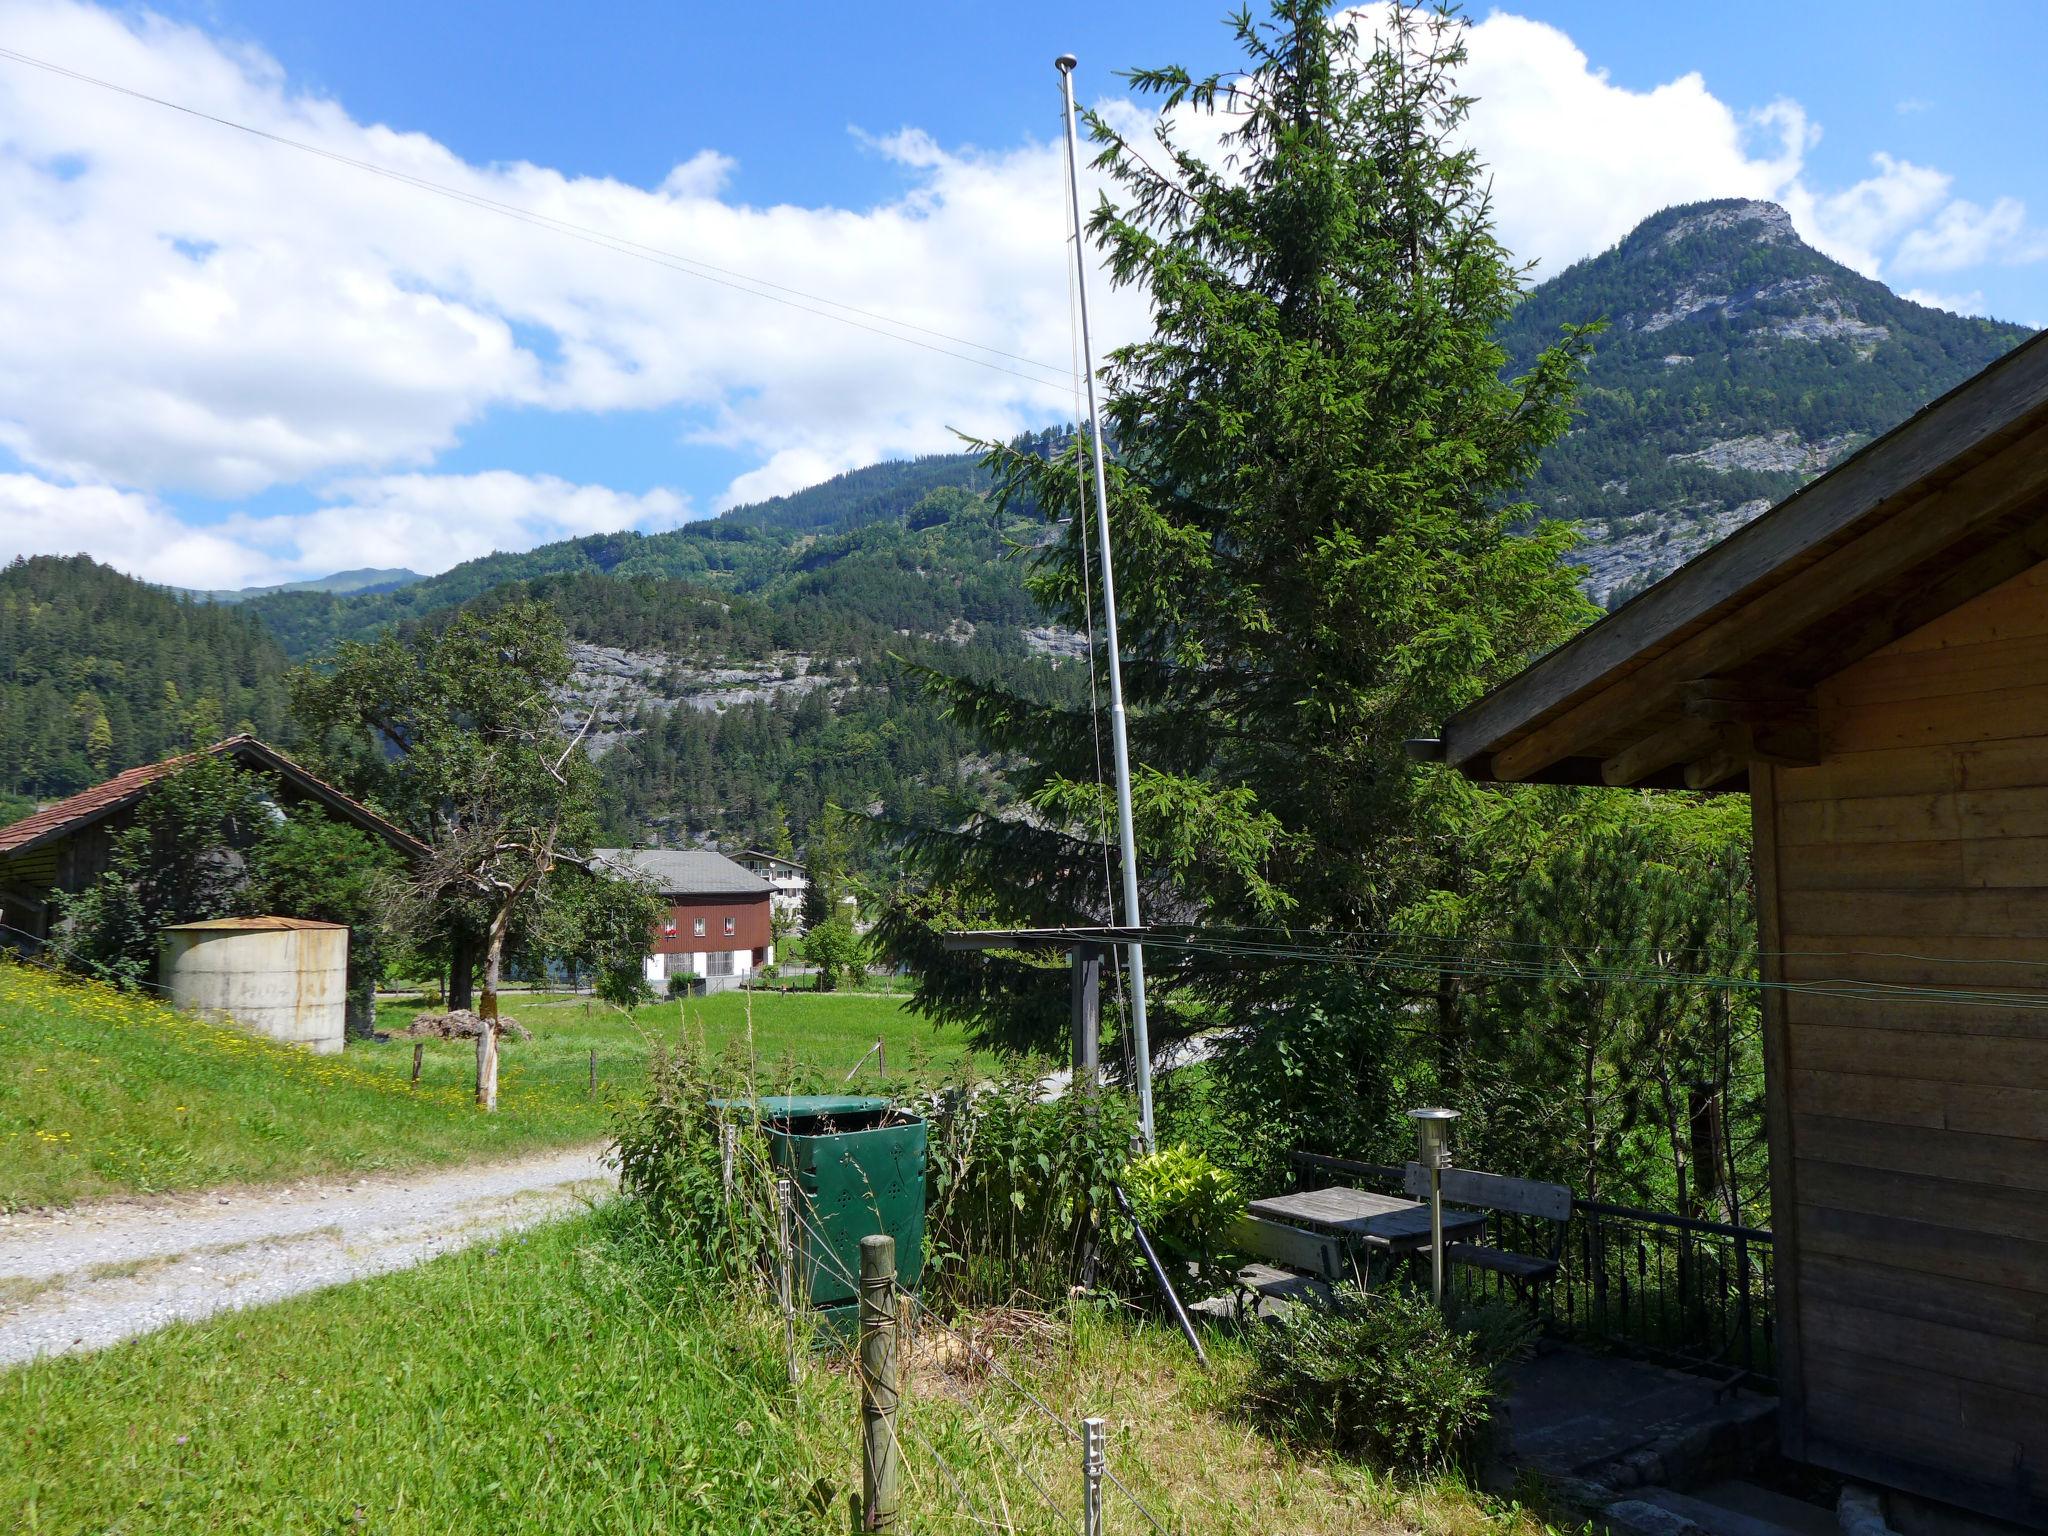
point(1186, 1205)
point(668, 1146)
point(1018, 1188)
point(1385, 1376)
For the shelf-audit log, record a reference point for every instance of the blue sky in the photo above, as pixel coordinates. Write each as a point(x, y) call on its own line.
point(236, 364)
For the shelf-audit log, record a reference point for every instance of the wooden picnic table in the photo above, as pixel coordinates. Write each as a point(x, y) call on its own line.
point(1387, 1224)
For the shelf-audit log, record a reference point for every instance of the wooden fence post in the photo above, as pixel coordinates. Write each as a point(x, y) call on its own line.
point(593, 1074)
point(419, 1049)
point(1092, 1462)
point(881, 1458)
point(785, 1266)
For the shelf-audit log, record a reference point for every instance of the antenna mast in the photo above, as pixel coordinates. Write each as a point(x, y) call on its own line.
point(1140, 1038)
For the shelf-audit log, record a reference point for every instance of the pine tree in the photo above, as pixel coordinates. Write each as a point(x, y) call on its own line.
point(1312, 502)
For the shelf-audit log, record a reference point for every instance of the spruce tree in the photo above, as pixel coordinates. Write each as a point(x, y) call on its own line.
point(1315, 515)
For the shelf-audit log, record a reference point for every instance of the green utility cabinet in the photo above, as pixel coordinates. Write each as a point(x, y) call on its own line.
point(858, 1167)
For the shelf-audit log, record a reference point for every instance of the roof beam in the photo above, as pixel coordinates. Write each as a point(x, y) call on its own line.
point(1660, 749)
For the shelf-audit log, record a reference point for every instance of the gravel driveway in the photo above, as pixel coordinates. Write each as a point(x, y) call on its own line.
point(85, 1278)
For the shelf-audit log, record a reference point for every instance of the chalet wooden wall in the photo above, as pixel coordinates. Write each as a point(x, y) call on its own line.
point(1912, 1212)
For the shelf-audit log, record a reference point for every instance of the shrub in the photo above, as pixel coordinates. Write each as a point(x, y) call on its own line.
point(1384, 1376)
point(670, 1157)
point(1018, 1188)
point(1186, 1204)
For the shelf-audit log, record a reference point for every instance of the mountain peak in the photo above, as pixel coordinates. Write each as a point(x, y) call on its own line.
point(1738, 362)
point(1729, 223)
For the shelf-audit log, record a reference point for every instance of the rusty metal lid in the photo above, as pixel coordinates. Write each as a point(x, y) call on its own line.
point(251, 925)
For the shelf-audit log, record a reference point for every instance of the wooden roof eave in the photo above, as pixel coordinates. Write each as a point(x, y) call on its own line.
point(1943, 507)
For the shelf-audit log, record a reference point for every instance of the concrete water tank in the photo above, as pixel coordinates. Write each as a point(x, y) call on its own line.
point(285, 977)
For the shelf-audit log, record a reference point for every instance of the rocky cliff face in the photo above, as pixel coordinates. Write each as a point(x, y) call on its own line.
point(1737, 363)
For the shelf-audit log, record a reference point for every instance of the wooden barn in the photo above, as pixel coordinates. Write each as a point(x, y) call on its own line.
point(1869, 660)
point(64, 847)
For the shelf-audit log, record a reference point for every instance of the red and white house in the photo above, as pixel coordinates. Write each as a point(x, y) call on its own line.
point(717, 927)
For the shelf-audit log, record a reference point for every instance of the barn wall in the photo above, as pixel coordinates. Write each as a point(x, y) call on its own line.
point(1913, 1208)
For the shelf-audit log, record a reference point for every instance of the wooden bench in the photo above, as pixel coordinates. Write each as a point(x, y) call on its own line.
point(1295, 1248)
point(1516, 1197)
point(1290, 1265)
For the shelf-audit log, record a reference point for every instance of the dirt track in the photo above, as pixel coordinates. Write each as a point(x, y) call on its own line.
point(87, 1277)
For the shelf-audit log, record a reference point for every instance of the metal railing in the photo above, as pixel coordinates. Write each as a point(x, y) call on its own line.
point(1685, 1291)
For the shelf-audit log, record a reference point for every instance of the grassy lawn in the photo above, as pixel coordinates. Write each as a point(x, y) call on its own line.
point(565, 1382)
point(102, 1093)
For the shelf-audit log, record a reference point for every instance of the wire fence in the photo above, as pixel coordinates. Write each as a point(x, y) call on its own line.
point(814, 1245)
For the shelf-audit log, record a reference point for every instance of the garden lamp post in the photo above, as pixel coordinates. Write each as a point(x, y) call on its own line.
point(1433, 1151)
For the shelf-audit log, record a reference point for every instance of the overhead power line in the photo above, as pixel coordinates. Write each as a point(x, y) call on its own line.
point(675, 261)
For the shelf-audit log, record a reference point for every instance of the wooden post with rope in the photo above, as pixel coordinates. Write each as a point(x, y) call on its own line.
point(881, 1456)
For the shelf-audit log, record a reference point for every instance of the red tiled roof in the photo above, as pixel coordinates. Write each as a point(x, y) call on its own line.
point(90, 805)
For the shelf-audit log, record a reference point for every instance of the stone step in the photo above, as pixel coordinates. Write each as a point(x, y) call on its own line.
point(1741, 1510)
point(1768, 1504)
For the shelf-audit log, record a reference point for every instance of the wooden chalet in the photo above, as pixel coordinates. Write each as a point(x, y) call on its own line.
point(1869, 660)
point(64, 847)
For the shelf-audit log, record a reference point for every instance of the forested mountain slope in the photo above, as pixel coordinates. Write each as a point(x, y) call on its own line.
point(1738, 363)
point(744, 550)
point(745, 668)
point(99, 672)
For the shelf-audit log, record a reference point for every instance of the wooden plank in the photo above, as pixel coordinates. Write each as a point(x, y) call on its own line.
point(2005, 1500)
point(1879, 818)
point(1495, 1191)
point(2001, 914)
point(1923, 1055)
point(1938, 1349)
point(1312, 1252)
point(2002, 1161)
point(1864, 775)
point(1952, 718)
point(2002, 813)
point(1891, 1011)
point(1634, 680)
point(2001, 765)
point(1952, 1413)
point(1935, 864)
point(1868, 488)
point(1781, 1135)
point(1944, 960)
point(1859, 1237)
point(1986, 1111)
point(1897, 1424)
point(1729, 755)
point(1970, 1210)
point(1992, 1310)
point(2005, 863)
point(2021, 763)
point(2015, 609)
point(1989, 666)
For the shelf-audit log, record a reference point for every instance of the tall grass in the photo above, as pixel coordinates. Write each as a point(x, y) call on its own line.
point(103, 1092)
point(575, 1381)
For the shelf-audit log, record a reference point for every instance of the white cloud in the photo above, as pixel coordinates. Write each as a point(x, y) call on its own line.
point(1857, 224)
point(1971, 303)
point(426, 522)
point(189, 309)
point(1578, 161)
point(1963, 234)
point(192, 309)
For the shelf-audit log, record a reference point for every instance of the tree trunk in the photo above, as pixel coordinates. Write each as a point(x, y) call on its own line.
point(1703, 1130)
point(487, 1010)
point(461, 971)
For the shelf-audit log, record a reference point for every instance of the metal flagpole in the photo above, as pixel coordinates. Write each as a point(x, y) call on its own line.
point(1140, 1038)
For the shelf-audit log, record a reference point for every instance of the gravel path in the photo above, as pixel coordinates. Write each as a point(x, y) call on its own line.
point(85, 1278)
